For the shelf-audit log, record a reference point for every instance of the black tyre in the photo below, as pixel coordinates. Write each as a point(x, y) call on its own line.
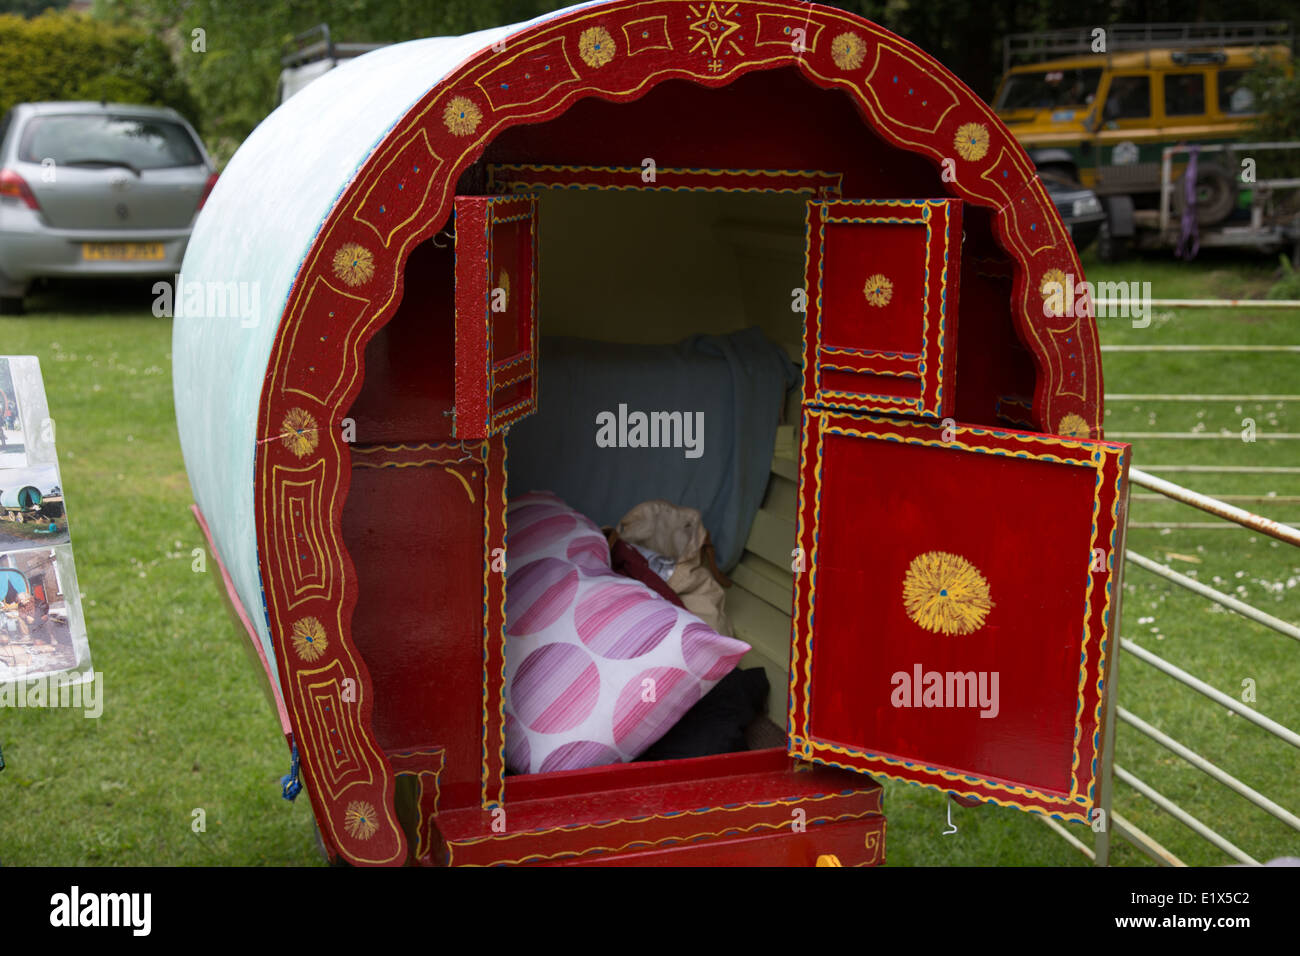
point(1216, 194)
point(1112, 248)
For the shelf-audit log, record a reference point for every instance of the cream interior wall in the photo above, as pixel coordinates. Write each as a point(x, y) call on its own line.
point(657, 266)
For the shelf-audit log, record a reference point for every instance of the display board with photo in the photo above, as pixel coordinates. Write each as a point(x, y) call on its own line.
point(42, 628)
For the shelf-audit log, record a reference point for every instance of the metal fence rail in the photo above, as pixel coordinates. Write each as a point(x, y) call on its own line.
point(1110, 821)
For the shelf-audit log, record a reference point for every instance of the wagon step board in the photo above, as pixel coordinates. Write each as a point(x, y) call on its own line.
point(758, 808)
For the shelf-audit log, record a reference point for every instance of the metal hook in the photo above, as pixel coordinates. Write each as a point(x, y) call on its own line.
point(950, 823)
point(445, 234)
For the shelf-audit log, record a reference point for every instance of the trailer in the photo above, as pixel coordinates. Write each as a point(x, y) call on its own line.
point(457, 241)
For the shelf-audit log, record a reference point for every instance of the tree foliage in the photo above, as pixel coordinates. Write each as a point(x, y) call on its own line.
point(234, 76)
point(68, 56)
point(233, 65)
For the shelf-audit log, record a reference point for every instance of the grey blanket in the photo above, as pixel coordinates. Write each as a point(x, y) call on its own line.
point(605, 437)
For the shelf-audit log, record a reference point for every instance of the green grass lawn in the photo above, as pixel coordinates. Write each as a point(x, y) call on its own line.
point(186, 724)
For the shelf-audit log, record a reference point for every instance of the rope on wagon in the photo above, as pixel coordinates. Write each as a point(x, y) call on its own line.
point(290, 784)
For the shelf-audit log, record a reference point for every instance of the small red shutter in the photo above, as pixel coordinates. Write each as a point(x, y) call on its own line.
point(954, 621)
point(496, 312)
point(882, 281)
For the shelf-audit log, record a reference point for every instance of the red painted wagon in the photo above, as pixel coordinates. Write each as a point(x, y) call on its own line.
point(930, 579)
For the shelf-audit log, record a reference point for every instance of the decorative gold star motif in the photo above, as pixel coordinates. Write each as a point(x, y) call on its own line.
point(360, 820)
point(596, 46)
point(1052, 289)
point(713, 28)
point(1074, 426)
point(461, 117)
point(847, 50)
point(298, 432)
point(945, 593)
point(354, 263)
point(971, 141)
point(309, 638)
point(878, 290)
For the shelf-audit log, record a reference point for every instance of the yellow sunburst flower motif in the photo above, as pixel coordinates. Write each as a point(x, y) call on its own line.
point(1075, 426)
point(360, 820)
point(1052, 289)
point(309, 638)
point(945, 593)
point(298, 432)
point(878, 290)
point(461, 117)
point(354, 264)
point(596, 46)
point(848, 51)
point(971, 141)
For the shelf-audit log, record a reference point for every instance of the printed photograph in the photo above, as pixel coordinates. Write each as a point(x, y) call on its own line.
point(36, 627)
point(13, 448)
point(31, 507)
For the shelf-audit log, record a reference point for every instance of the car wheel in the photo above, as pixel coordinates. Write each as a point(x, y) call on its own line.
point(1216, 194)
point(1084, 234)
point(11, 305)
point(1111, 248)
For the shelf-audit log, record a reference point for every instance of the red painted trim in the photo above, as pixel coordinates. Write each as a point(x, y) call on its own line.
point(518, 176)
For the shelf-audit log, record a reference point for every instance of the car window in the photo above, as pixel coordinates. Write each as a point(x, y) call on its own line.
point(1184, 94)
point(1235, 98)
point(1129, 98)
point(1049, 89)
point(93, 139)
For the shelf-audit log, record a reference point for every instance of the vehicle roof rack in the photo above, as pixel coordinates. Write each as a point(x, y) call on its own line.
point(317, 44)
point(1049, 44)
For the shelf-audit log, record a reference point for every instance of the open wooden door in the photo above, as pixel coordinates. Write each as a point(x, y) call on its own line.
point(496, 312)
point(953, 621)
point(881, 330)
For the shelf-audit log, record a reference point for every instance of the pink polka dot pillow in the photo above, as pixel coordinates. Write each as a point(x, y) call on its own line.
point(598, 666)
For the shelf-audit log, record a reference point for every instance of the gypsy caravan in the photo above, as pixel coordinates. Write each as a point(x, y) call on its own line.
point(769, 262)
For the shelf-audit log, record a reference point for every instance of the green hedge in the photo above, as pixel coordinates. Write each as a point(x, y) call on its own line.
point(68, 56)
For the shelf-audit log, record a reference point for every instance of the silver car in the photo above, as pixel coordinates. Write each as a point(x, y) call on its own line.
point(96, 189)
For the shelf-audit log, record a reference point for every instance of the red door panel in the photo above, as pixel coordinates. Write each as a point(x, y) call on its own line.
point(496, 312)
point(881, 321)
point(951, 622)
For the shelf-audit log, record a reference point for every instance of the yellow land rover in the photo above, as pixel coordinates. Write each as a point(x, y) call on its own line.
point(1101, 115)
